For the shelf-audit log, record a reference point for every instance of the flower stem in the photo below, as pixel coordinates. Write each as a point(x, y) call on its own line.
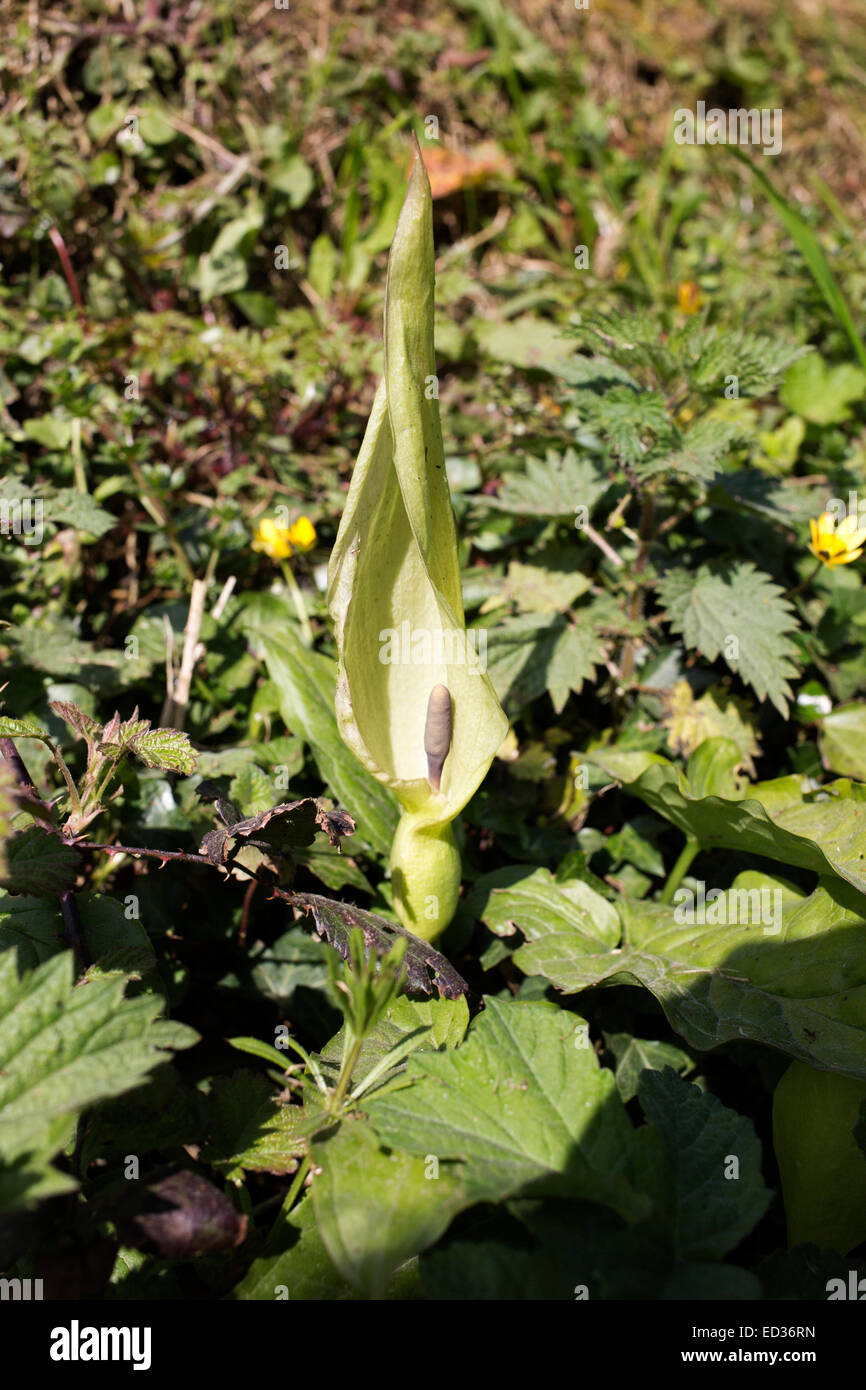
point(688, 852)
point(790, 593)
point(300, 606)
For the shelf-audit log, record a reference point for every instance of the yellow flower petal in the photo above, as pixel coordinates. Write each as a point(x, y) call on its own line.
point(272, 538)
point(848, 525)
point(303, 534)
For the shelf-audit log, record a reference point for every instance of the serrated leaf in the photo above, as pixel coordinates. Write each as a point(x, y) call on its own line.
point(168, 749)
point(76, 718)
point(736, 601)
point(335, 921)
point(527, 656)
point(700, 452)
point(555, 487)
point(249, 1130)
point(710, 1206)
point(64, 1048)
point(523, 1107)
point(20, 728)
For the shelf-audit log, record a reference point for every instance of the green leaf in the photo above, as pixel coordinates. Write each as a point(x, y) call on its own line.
point(537, 903)
point(38, 862)
point(294, 177)
point(786, 971)
point(294, 1264)
point(823, 831)
point(307, 684)
point(154, 126)
point(251, 790)
point(736, 611)
point(716, 1194)
point(543, 589)
point(375, 1210)
point(322, 266)
point(20, 728)
point(711, 769)
point(168, 749)
point(634, 1056)
point(525, 342)
point(523, 1104)
point(445, 1022)
point(527, 656)
point(842, 740)
point(822, 394)
point(79, 510)
point(553, 488)
point(63, 1048)
point(248, 1130)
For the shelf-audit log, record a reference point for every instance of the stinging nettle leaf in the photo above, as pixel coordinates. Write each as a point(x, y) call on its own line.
point(735, 611)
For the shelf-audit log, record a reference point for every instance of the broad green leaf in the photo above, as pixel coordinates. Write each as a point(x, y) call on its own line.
point(842, 740)
point(487, 1271)
point(38, 862)
point(63, 1049)
point(524, 1104)
point(823, 831)
point(307, 682)
point(717, 714)
point(294, 1265)
point(735, 611)
point(539, 589)
point(251, 790)
point(375, 1209)
point(634, 1056)
point(523, 342)
point(536, 903)
point(821, 393)
point(715, 1192)
point(711, 769)
point(759, 963)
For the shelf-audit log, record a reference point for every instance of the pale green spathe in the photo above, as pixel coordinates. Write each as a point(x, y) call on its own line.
point(395, 562)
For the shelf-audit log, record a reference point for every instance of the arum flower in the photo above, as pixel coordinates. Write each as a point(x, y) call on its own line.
point(280, 541)
point(837, 545)
point(414, 703)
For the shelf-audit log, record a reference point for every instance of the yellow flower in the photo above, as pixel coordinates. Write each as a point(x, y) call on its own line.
point(279, 541)
point(689, 297)
point(837, 545)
